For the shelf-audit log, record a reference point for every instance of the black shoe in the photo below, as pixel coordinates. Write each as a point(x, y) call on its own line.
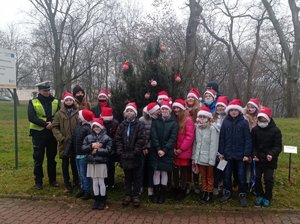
point(181, 194)
point(136, 201)
point(126, 201)
point(54, 184)
point(79, 194)
point(203, 195)
point(243, 200)
point(155, 197)
point(209, 197)
point(96, 203)
point(162, 194)
point(86, 196)
point(38, 186)
point(102, 203)
point(225, 197)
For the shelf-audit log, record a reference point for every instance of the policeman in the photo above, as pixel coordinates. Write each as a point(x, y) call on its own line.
point(41, 111)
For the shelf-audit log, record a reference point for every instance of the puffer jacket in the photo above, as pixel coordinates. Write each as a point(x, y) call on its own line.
point(102, 154)
point(206, 145)
point(185, 140)
point(235, 138)
point(267, 141)
point(163, 137)
point(129, 148)
point(64, 125)
point(81, 131)
point(146, 120)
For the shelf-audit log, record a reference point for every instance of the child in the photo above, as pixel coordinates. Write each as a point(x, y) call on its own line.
point(183, 147)
point(267, 145)
point(205, 151)
point(64, 124)
point(98, 146)
point(235, 147)
point(162, 95)
point(251, 111)
point(81, 131)
point(163, 137)
point(130, 141)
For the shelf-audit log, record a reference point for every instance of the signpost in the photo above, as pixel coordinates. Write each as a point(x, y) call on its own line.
point(291, 150)
point(8, 79)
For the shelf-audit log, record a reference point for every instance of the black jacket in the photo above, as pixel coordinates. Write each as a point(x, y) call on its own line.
point(102, 154)
point(267, 141)
point(130, 148)
point(81, 131)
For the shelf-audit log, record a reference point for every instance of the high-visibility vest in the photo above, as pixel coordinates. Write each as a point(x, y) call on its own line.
point(40, 112)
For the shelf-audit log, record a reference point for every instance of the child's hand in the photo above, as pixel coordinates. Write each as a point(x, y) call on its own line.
point(221, 157)
point(94, 151)
point(145, 151)
point(269, 158)
point(256, 159)
point(193, 162)
point(245, 159)
point(161, 153)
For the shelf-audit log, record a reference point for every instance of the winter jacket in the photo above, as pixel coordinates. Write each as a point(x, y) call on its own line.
point(102, 154)
point(206, 146)
point(146, 120)
point(185, 140)
point(267, 141)
point(64, 125)
point(111, 129)
point(163, 137)
point(129, 148)
point(235, 138)
point(81, 131)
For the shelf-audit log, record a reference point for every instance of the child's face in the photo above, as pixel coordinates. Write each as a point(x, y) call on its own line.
point(220, 109)
point(96, 129)
point(262, 119)
point(165, 112)
point(176, 110)
point(234, 113)
point(129, 113)
point(159, 101)
point(251, 109)
point(68, 102)
point(190, 100)
point(208, 97)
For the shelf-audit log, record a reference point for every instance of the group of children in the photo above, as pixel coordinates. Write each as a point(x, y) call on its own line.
point(172, 144)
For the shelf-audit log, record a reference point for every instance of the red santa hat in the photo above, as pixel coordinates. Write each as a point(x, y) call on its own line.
point(205, 111)
point(152, 107)
point(211, 92)
point(265, 112)
point(86, 115)
point(234, 104)
point(106, 113)
point(162, 95)
point(104, 92)
point(132, 106)
point(98, 122)
point(179, 103)
point(254, 102)
point(222, 100)
point(166, 103)
point(194, 93)
point(68, 95)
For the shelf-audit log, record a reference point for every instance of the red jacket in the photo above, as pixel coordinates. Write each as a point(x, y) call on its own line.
point(185, 140)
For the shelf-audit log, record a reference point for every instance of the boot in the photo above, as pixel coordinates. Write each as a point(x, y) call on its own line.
point(136, 201)
point(102, 203)
point(126, 200)
point(226, 196)
point(203, 195)
point(243, 200)
point(155, 197)
point(162, 194)
point(209, 197)
point(97, 202)
point(181, 194)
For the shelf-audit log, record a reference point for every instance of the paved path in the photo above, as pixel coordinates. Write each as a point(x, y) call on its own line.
point(15, 211)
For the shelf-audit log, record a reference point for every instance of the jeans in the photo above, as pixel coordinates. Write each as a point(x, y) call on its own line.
point(180, 176)
point(268, 182)
point(85, 181)
point(133, 181)
point(65, 170)
point(240, 168)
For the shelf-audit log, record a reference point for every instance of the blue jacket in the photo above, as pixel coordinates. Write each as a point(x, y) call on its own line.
point(235, 138)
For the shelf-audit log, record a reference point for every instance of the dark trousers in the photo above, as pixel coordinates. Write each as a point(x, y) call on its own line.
point(241, 175)
point(111, 169)
point(133, 181)
point(180, 176)
point(218, 176)
point(147, 174)
point(66, 161)
point(268, 182)
point(41, 144)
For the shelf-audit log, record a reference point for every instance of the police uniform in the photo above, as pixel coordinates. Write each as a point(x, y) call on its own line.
point(41, 110)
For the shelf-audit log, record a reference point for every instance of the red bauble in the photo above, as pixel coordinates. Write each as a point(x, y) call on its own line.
point(177, 77)
point(125, 66)
point(162, 47)
point(147, 95)
point(153, 82)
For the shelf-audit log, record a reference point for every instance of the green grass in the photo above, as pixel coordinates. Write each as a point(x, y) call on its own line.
point(20, 181)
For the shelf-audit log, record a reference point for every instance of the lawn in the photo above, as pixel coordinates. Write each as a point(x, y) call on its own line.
point(20, 181)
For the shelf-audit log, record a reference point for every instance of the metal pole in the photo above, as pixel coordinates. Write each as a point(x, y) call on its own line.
point(16, 129)
point(290, 161)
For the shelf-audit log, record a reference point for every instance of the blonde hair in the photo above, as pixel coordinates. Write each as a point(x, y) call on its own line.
point(181, 118)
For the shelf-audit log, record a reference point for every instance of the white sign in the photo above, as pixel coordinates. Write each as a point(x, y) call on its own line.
point(8, 75)
point(290, 149)
point(222, 164)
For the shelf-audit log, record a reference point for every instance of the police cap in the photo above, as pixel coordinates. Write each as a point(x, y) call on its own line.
point(43, 85)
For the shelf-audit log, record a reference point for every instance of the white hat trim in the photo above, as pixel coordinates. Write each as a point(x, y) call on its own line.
point(130, 107)
point(103, 94)
point(162, 97)
point(211, 93)
point(165, 106)
point(81, 116)
point(193, 95)
point(178, 105)
point(107, 118)
point(221, 103)
point(232, 107)
point(69, 97)
point(97, 124)
point(155, 108)
point(264, 116)
point(253, 104)
point(204, 113)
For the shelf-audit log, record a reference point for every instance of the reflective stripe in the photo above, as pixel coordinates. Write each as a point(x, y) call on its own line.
point(40, 112)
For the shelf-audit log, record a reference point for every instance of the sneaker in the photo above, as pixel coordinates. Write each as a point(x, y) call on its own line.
point(243, 200)
point(126, 201)
point(225, 197)
point(85, 196)
point(79, 194)
point(216, 191)
point(68, 189)
point(54, 184)
point(136, 201)
point(197, 189)
point(258, 201)
point(265, 203)
point(38, 186)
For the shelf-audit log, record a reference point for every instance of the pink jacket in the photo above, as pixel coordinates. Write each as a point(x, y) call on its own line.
point(185, 140)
